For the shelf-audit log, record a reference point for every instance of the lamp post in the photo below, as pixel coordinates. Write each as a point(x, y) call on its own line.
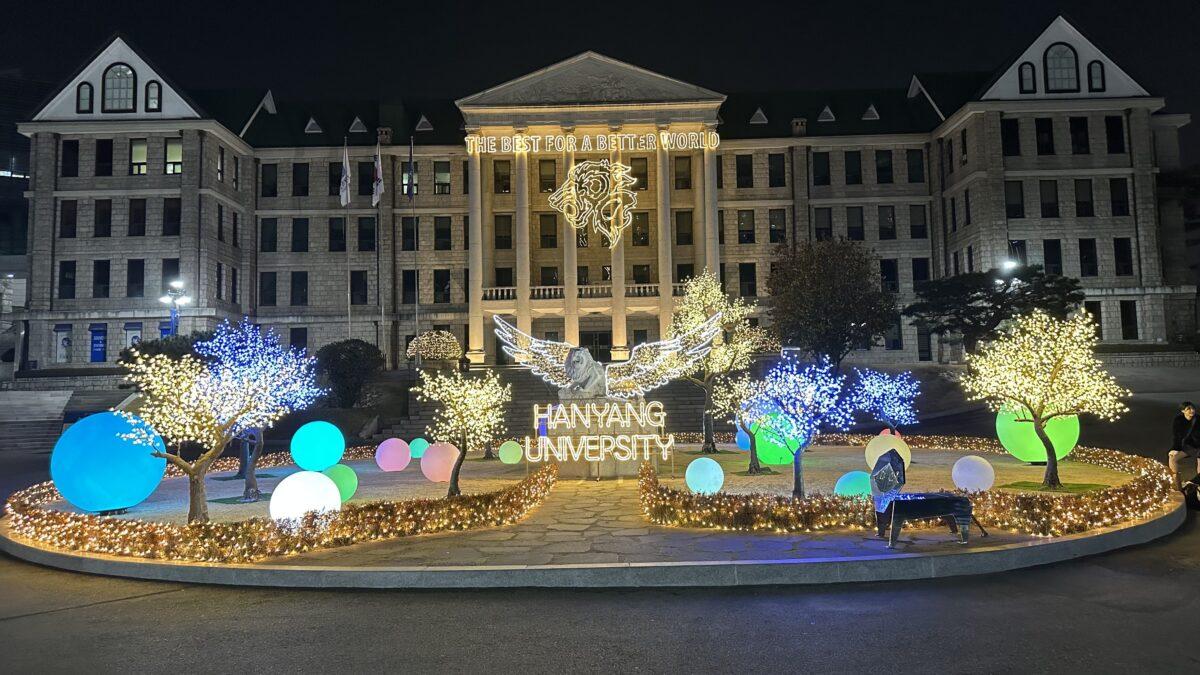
point(176, 297)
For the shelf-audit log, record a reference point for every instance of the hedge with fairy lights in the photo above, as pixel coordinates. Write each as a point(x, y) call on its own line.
point(435, 345)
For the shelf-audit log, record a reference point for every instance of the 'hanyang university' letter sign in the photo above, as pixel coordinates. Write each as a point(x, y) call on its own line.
point(600, 437)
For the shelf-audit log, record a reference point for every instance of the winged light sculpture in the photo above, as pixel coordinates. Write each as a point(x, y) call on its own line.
point(577, 375)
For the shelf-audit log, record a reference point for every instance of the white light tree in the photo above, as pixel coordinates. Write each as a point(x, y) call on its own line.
point(470, 412)
point(741, 399)
point(248, 380)
point(888, 398)
point(1041, 368)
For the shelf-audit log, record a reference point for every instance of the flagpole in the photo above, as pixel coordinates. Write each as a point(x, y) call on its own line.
point(346, 231)
point(410, 188)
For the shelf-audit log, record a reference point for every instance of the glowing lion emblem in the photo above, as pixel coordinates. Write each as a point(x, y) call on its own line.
point(597, 193)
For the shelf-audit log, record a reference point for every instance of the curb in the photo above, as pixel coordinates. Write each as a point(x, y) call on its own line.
point(883, 567)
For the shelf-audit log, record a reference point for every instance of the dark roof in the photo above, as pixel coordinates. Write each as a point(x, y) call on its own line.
point(231, 107)
point(950, 91)
point(897, 114)
point(443, 116)
point(286, 128)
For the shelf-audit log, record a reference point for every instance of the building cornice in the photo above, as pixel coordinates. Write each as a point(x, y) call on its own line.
point(135, 126)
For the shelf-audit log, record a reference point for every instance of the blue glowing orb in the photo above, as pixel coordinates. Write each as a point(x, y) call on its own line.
point(316, 446)
point(704, 476)
point(418, 447)
point(853, 484)
point(743, 440)
point(97, 470)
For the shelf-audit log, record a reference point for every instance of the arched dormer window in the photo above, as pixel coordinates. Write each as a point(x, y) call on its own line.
point(1028, 77)
point(1062, 68)
point(153, 96)
point(1096, 76)
point(83, 98)
point(120, 89)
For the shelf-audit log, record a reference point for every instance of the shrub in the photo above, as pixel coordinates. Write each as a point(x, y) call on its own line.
point(346, 366)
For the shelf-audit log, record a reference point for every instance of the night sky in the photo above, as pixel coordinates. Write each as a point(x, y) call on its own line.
point(440, 48)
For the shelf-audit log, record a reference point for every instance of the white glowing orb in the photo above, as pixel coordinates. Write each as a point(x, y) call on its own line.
point(302, 492)
point(973, 474)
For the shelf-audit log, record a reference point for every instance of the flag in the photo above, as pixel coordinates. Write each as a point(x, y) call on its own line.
point(344, 190)
point(410, 186)
point(377, 184)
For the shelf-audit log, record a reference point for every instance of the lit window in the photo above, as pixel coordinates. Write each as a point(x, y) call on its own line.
point(174, 155)
point(153, 96)
point(83, 98)
point(120, 89)
point(1062, 71)
point(137, 157)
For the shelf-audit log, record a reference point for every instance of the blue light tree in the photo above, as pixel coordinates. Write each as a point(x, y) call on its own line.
point(809, 399)
point(890, 399)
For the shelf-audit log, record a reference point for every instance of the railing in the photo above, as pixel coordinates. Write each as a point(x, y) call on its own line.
point(641, 291)
point(595, 291)
point(500, 293)
point(545, 292)
point(677, 289)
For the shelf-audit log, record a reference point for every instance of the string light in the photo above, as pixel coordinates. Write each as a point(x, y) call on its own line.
point(597, 193)
point(888, 398)
point(470, 408)
point(435, 345)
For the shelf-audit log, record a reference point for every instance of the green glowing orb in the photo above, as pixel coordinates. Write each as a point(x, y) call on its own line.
point(853, 484)
point(511, 452)
point(344, 478)
point(771, 444)
point(417, 447)
point(1022, 442)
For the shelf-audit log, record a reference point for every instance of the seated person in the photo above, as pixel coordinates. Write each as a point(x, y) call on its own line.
point(1185, 439)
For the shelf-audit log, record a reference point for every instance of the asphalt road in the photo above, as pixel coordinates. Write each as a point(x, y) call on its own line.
point(1135, 609)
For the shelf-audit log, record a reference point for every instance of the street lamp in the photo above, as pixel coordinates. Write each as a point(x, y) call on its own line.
point(1009, 265)
point(176, 297)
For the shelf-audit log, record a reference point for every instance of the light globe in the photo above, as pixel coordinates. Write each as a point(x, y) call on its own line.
point(973, 474)
point(511, 452)
point(95, 469)
point(1021, 440)
point(316, 446)
point(853, 484)
point(302, 492)
point(417, 447)
point(345, 479)
point(393, 455)
point(438, 462)
point(704, 476)
point(880, 444)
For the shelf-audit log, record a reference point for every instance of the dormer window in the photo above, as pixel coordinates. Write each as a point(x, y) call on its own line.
point(1028, 78)
point(83, 98)
point(153, 96)
point(1095, 76)
point(1062, 68)
point(120, 89)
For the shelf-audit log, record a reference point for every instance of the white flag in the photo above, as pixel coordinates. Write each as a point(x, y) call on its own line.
point(344, 191)
point(377, 184)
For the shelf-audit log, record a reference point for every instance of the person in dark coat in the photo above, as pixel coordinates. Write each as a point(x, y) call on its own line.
point(1185, 438)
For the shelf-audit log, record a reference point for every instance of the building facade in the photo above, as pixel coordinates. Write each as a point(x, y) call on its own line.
point(1051, 160)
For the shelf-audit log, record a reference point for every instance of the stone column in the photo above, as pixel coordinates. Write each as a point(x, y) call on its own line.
point(521, 239)
point(666, 302)
point(570, 264)
point(699, 224)
point(475, 349)
point(620, 343)
point(712, 252)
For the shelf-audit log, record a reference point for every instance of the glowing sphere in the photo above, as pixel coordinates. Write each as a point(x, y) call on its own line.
point(704, 476)
point(418, 446)
point(302, 492)
point(438, 462)
point(345, 479)
point(743, 440)
point(316, 446)
point(973, 474)
point(393, 455)
point(877, 446)
point(853, 484)
point(511, 452)
point(97, 470)
point(771, 444)
point(1022, 442)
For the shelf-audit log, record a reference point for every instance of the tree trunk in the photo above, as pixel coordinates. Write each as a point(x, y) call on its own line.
point(1051, 480)
point(755, 466)
point(487, 452)
point(710, 445)
point(252, 493)
point(798, 474)
point(453, 490)
point(197, 497)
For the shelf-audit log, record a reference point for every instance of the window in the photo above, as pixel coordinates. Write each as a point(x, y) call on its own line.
point(1044, 130)
point(1114, 134)
point(503, 231)
point(776, 176)
point(641, 274)
point(1129, 320)
point(408, 287)
point(953, 214)
point(100, 278)
point(887, 222)
point(639, 169)
point(820, 174)
point(409, 239)
point(1027, 78)
point(337, 234)
point(1123, 256)
point(1095, 76)
point(547, 178)
point(119, 92)
point(441, 178)
point(334, 178)
point(916, 165)
point(137, 157)
point(68, 219)
point(720, 171)
point(268, 235)
point(466, 174)
point(83, 98)
point(549, 276)
point(466, 230)
point(233, 284)
point(720, 227)
point(1062, 70)
point(918, 225)
point(172, 216)
point(948, 160)
point(745, 224)
point(70, 159)
point(367, 233)
point(1094, 307)
point(641, 228)
point(1018, 252)
point(1048, 189)
point(1088, 265)
point(893, 340)
point(970, 258)
point(299, 235)
point(270, 178)
point(441, 286)
point(358, 287)
point(966, 207)
point(684, 272)
point(220, 283)
point(747, 280)
point(66, 280)
point(854, 224)
point(1052, 257)
point(883, 166)
point(744, 166)
point(137, 218)
point(1010, 136)
point(1118, 192)
point(548, 230)
point(853, 167)
point(962, 142)
point(298, 337)
point(153, 96)
point(777, 226)
point(220, 222)
point(956, 265)
point(684, 229)
point(1084, 207)
point(237, 173)
point(683, 172)
point(104, 157)
point(299, 179)
point(174, 156)
point(441, 233)
point(102, 214)
point(920, 270)
point(581, 275)
point(504, 277)
point(889, 275)
point(1079, 135)
point(237, 235)
point(135, 278)
point(502, 176)
point(366, 179)
point(299, 288)
point(170, 272)
point(1014, 199)
point(823, 223)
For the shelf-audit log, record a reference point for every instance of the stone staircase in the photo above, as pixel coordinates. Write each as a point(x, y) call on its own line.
point(31, 421)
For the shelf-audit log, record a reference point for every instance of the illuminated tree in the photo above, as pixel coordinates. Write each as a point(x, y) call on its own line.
point(1041, 368)
point(731, 350)
point(470, 412)
point(249, 381)
point(888, 398)
point(435, 345)
point(808, 399)
point(742, 400)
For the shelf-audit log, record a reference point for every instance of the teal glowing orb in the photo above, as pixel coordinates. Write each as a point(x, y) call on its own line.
point(704, 476)
point(418, 447)
point(344, 478)
point(316, 446)
point(773, 446)
point(511, 452)
point(853, 484)
point(743, 440)
point(96, 470)
point(1022, 442)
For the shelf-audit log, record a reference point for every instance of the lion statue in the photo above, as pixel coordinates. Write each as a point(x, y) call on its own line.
point(588, 379)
